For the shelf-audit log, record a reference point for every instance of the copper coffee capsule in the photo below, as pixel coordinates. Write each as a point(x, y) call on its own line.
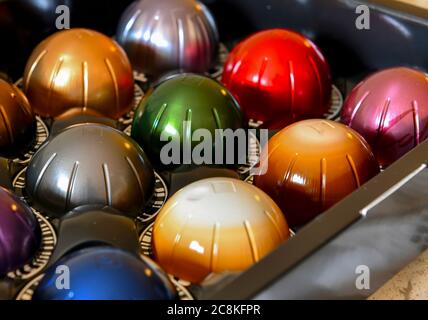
point(79, 68)
point(313, 164)
point(17, 122)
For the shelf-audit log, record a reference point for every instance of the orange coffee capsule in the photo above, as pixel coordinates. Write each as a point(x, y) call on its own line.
point(313, 164)
point(216, 225)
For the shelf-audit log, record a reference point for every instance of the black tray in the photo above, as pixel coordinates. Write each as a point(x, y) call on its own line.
point(320, 261)
point(384, 224)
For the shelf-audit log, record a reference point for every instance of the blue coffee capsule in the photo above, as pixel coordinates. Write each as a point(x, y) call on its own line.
point(104, 273)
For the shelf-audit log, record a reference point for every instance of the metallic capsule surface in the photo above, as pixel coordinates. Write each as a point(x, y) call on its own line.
point(79, 68)
point(17, 121)
point(390, 110)
point(313, 164)
point(165, 35)
point(278, 77)
point(178, 107)
point(106, 273)
point(19, 230)
point(89, 164)
point(216, 225)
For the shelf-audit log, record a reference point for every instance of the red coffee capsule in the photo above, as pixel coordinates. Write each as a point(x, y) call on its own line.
point(278, 77)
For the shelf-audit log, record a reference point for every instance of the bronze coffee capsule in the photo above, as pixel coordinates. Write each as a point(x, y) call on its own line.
point(17, 122)
point(79, 68)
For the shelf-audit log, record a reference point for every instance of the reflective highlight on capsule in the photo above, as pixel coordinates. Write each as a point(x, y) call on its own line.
point(17, 121)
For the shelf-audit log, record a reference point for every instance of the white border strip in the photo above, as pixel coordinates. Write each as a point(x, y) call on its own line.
point(391, 190)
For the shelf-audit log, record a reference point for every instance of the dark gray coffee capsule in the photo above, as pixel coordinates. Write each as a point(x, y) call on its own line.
point(89, 164)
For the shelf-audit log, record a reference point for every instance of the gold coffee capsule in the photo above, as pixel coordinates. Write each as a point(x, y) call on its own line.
point(216, 225)
point(79, 68)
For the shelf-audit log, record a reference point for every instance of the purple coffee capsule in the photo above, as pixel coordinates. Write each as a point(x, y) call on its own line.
point(19, 232)
point(390, 110)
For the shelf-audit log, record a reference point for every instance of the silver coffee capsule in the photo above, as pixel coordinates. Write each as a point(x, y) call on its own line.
point(165, 35)
point(89, 164)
